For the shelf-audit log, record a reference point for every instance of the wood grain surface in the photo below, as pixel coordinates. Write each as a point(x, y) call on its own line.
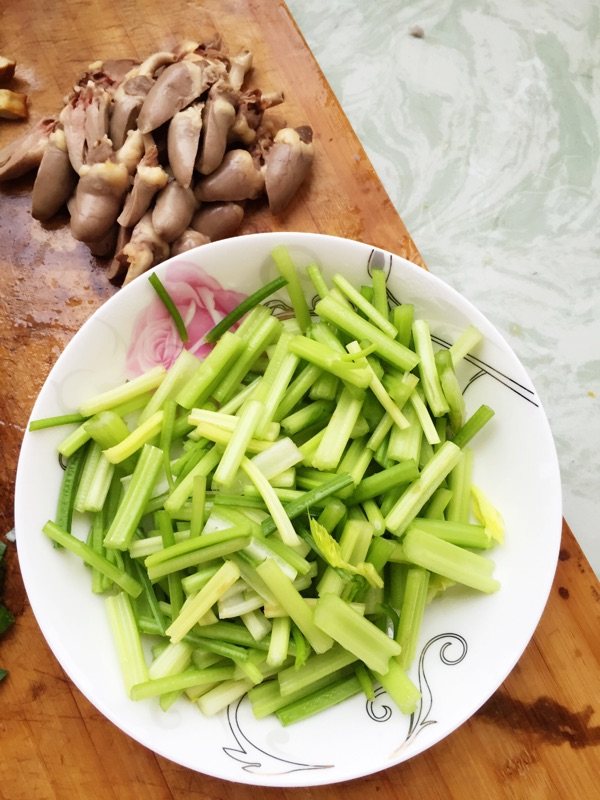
point(538, 737)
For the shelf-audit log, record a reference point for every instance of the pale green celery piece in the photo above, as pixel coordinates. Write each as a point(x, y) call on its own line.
point(424, 417)
point(280, 639)
point(296, 390)
point(238, 604)
point(198, 505)
point(381, 431)
point(379, 389)
point(430, 380)
point(247, 669)
point(323, 333)
point(324, 698)
point(282, 588)
point(73, 441)
point(374, 516)
point(315, 412)
point(235, 449)
point(194, 582)
point(325, 387)
point(143, 434)
point(121, 394)
point(238, 400)
point(355, 463)
point(449, 560)
point(221, 436)
point(199, 604)
point(332, 514)
point(284, 480)
point(380, 298)
point(467, 341)
point(367, 308)
point(211, 546)
point(279, 387)
point(184, 680)
point(221, 696)
point(127, 640)
point(135, 499)
point(99, 488)
point(405, 444)
point(256, 344)
point(275, 507)
point(177, 376)
point(450, 388)
point(266, 698)
point(361, 428)
point(229, 421)
point(140, 548)
point(256, 622)
point(399, 687)
point(339, 428)
point(328, 359)
point(403, 316)
point(437, 505)
point(210, 371)
point(355, 633)
point(174, 658)
point(184, 488)
point(287, 269)
point(487, 514)
point(459, 483)
point(418, 493)
point(464, 534)
point(390, 478)
point(318, 281)
point(348, 554)
point(295, 679)
point(411, 613)
point(361, 329)
point(395, 582)
point(310, 447)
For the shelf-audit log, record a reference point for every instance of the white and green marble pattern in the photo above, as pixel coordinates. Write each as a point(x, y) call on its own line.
point(485, 133)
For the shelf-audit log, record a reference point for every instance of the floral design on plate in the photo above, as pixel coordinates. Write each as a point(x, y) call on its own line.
point(202, 303)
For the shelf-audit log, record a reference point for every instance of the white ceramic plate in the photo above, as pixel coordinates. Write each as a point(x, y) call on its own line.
point(469, 643)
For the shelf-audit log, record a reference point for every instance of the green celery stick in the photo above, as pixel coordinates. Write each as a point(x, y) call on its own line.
point(235, 450)
point(449, 560)
point(338, 430)
point(379, 482)
point(318, 281)
point(287, 268)
point(467, 341)
point(399, 687)
point(296, 390)
point(93, 559)
point(121, 394)
point(184, 680)
point(324, 357)
point(305, 678)
point(355, 633)
point(135, 498)
point(430, 380)
point(463, 534)
point(53, 422)
point(367, 308)
point(411, 613)
point(417, 494)
point(294, 604)
point(361, 329)
point(127, 640)
point(450, 388)
point(403, 316)
point(322, 699)
point(210, 371)
point(196, 606)
point(459, 483)
point(473, 425)
point(380, 299)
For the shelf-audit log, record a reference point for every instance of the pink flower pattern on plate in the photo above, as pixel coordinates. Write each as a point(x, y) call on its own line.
point(202, 302)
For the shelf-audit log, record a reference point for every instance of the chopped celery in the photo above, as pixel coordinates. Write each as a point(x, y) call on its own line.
point(285, 507)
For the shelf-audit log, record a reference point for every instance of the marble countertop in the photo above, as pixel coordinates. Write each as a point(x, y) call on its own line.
point(482, 119)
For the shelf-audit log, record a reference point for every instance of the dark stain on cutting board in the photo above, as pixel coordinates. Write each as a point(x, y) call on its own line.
point(543, 717)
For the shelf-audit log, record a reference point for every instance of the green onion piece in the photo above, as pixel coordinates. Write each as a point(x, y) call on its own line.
point(53, 422)
point(246, 305)
point(169, 304)
point(68, 490)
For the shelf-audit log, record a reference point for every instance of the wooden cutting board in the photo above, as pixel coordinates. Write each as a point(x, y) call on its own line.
point(537, 737)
